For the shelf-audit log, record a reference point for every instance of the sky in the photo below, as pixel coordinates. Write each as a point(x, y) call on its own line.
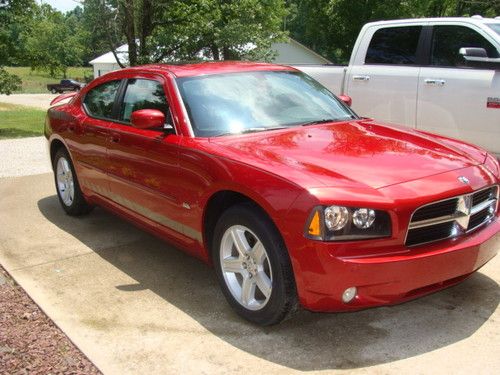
point(62, 5)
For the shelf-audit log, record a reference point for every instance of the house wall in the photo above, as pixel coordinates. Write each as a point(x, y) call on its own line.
point(290, 53)
point(103, 68)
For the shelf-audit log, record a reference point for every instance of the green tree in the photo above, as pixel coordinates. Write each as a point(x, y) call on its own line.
point(14, 19)
point(53, 43)
point(165, 30)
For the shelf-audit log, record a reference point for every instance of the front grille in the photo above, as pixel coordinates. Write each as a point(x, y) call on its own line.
point(452, 217)
point(442, 208)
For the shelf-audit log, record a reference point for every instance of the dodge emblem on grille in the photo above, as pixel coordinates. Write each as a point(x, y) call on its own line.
point(463, 180)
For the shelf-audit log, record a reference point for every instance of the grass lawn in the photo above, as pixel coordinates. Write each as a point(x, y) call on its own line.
point(17, 121)
point(35, 82)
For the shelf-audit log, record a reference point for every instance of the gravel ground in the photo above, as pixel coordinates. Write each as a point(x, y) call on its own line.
point(23, 157)
point(30, 343)
point(30, 100)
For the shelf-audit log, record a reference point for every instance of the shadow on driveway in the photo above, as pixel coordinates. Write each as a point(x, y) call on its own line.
point(308, 341)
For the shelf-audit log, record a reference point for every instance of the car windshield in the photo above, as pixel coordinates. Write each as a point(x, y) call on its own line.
point(495, 27)
point(234, 103)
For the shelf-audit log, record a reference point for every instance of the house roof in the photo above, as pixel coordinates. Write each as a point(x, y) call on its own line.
point(109, 58)
point(122, 53)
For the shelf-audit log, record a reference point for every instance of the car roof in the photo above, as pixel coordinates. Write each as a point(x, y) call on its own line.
point(212, 67)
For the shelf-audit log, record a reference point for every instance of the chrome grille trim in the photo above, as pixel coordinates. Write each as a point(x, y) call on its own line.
point(487, 205)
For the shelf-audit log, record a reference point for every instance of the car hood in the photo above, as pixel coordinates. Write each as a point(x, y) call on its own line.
point(362, 153)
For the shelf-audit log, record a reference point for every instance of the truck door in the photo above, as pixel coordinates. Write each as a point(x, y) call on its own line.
point(383, 76)
point(456, 100)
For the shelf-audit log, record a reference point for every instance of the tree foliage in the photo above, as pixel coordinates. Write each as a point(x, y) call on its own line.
point(8, 82)
point(53, 42)
point(173, 30)
point(14, 16)
point(164, 30)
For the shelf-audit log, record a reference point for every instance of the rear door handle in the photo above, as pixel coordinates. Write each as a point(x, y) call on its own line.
point(361, 78)
point(434, 82)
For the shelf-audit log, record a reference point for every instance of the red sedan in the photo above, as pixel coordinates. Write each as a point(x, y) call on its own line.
point(262, 172)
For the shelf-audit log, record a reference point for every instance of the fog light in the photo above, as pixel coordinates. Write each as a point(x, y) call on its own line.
point(349, 294)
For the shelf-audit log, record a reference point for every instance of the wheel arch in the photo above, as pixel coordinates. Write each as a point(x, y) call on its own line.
point(219, 202)
point(55, 145)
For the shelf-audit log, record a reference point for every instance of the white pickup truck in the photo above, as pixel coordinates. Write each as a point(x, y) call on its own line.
point(439, 74)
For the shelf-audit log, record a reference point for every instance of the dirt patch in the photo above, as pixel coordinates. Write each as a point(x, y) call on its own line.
point(29, 341)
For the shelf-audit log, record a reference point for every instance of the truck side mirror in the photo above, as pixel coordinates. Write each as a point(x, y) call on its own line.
point(478, 58)
point(472, 52)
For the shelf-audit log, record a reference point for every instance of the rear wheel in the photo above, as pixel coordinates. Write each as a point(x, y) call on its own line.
point(53, 91)
point(67, 186)
point(253, 266)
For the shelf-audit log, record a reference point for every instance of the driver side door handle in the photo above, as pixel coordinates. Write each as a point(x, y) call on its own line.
point(434, 82)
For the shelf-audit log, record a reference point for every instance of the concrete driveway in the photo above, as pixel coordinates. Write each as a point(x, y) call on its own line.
point(134, 304)
point(31, 100)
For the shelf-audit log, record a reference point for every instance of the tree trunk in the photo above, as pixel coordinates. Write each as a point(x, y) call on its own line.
point(227, 53)
point(129, 29)
point(146, 27)
point(215, 51)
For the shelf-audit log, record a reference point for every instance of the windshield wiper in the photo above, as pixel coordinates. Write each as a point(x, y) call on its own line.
point(252, 130)
point(325, 120)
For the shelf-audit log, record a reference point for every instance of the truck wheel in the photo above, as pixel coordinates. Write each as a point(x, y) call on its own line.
point(253, 267)
point(67, 186)
point(53, 91)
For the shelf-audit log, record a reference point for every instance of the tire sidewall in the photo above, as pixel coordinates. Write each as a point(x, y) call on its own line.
point(79, 205)
point(265, 230)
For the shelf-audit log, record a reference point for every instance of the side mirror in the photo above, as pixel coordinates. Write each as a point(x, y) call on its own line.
point(478, 58)
point(147, 118)
point(472, 52)
point(346, 99)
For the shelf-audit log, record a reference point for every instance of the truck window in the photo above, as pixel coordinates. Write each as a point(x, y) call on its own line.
point(447, 41)
point(394, 46)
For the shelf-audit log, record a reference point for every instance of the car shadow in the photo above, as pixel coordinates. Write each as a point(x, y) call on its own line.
point(307, 341)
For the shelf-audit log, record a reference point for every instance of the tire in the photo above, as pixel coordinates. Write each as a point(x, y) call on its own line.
point(53, 91)
point(67, 186)
point(257, 278)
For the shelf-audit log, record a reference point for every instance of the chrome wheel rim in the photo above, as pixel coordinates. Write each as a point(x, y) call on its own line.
point(65, 182)
point(246, 267)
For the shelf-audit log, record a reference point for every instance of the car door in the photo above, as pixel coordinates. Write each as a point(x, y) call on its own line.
point(143, 163)
point(383, 76)
point(90, 152)
point(453, 98)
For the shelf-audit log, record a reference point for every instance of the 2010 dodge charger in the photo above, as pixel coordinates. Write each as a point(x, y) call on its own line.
point(261, 171)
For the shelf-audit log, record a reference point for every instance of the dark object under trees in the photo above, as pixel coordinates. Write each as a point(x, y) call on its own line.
point(64, 85)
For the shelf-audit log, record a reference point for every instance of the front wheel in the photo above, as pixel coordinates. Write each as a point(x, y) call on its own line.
point(67, 186)
point(253, 266)
point(53, 91)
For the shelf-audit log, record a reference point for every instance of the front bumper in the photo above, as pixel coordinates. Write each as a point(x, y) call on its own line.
point(395, 277)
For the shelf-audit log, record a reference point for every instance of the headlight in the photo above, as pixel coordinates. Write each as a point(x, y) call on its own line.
point(339, 223)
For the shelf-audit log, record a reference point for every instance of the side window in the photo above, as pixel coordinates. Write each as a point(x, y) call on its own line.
point(144, 94)
point(100, 100)
point(394, 46)
point(447, 41)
